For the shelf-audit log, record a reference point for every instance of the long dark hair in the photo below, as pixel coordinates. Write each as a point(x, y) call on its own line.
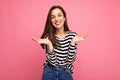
point(49, 30)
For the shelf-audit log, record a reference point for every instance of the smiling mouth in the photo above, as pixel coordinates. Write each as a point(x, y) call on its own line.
point(57, 23)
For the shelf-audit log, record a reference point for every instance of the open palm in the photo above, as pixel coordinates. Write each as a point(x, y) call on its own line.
point(78, 38)
point(42, 41)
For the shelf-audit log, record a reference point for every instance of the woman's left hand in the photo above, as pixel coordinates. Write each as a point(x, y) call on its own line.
point(78, 38)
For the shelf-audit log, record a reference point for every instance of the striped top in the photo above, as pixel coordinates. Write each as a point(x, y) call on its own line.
point(64, 55)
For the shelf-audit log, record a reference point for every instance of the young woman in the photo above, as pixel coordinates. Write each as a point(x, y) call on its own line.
point(60, 45)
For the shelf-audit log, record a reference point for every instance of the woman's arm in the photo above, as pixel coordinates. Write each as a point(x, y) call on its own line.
point(72, 48)
point(50, 54)
point(71, 53)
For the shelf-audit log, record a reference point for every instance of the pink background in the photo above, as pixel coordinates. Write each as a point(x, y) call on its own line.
point(97, 57)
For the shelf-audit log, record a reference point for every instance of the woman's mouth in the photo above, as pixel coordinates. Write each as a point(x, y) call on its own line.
point(57, 23)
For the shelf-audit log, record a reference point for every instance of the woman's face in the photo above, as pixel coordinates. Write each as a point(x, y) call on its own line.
point(57, 18)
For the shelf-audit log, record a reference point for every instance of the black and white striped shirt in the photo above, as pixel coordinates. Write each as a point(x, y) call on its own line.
point(65, 54)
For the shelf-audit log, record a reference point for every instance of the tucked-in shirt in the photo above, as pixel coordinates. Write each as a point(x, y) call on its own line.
point(65, 54)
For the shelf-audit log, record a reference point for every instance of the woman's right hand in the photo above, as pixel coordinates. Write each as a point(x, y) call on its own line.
point(44, 41)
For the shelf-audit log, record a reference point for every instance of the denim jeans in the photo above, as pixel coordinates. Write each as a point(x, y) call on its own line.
point(56, 73)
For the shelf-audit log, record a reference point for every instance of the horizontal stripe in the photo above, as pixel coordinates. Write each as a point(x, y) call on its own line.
point(65, 54)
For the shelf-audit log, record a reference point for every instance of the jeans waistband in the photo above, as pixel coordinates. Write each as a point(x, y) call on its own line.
point(60, 68)
point(55, 67)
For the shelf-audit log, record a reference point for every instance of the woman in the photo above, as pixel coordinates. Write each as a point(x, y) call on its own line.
point(60, 45)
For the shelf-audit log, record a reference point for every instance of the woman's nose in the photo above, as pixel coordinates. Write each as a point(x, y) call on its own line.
point(56, 18)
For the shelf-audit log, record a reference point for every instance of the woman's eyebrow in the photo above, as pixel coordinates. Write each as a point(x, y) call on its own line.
point(59, 13)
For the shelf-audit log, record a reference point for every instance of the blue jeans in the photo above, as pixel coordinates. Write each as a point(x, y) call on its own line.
point(56, 73)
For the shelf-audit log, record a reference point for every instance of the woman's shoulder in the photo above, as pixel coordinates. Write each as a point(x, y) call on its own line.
point(72, 33)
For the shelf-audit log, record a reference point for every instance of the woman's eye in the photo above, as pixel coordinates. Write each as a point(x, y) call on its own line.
point(59, 15)
point(52, 17)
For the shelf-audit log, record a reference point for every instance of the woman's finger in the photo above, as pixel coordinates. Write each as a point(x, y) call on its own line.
point(34, 39)
point(85, 35)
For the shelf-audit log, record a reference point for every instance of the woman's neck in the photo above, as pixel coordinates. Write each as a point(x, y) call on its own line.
point(60, 32)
